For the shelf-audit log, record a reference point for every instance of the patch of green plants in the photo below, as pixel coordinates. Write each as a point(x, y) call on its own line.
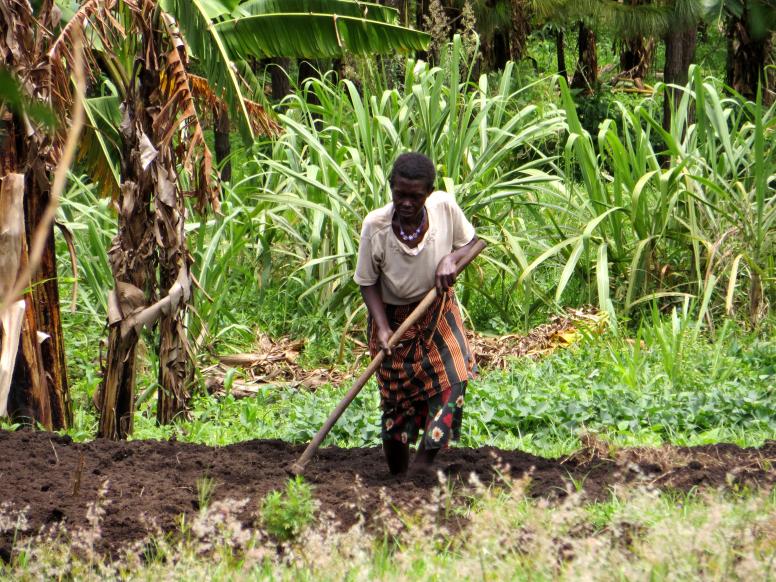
point(285, 514)
point(627, 390)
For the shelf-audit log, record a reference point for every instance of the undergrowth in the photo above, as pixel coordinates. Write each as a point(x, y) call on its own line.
point(634, 535)
point(629, 391)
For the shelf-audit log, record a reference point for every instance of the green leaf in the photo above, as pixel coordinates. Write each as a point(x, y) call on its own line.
point(98, 149)
point(207, 45)
point(316, 35)
point(13, 96)
point(368, 10)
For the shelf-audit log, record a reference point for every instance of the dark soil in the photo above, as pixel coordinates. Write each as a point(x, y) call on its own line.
point(155, 482)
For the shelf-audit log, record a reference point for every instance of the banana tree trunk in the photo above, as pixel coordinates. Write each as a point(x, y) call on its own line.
point(560, 53)
point(45, 298)
point(175, 373)
point(586, 73)
point(637, 52)
point(680, 50)
point(28, 400)
point(39, 391)
point(11, 242)
point(521, 27)
point(636, 57)
point(746, 57)
point(151, 233)
point(132, 259)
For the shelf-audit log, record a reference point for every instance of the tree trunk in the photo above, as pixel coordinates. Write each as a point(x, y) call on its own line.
point(586, 73)
point(636, 57)
point(174, 368)
point(680, 50)
point(34, 394)
point(636, 52)
point(421, 12)
point(28, 401)
point(39, 391)
point(500, 50)
point(222, 145)
point(403, 6)
point(45, 296)
point(11, 242)
point(151, 232)
point(278, 71)
point(521, 27)
point(746, 57)
point(132, 259)
point(560, 53)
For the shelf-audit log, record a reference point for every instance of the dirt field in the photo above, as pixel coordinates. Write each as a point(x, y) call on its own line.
point(155, 482)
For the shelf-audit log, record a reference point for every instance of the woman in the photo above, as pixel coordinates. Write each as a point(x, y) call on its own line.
point(406, 248)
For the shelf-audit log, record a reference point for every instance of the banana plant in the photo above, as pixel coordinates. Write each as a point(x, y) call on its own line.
point(149, 50)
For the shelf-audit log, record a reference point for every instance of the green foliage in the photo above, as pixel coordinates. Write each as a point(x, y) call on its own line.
point(13, 97)
point(648, 229)
point(316, 29)
point(286, 514)
point(634, 391)
point(205, 487)
point(618, 388)
point(92, 223)
point(320, 178)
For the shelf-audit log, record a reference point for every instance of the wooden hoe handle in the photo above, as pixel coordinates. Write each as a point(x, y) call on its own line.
point(298, 467)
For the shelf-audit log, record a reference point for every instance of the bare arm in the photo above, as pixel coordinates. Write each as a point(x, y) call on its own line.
point(445, 272)
point(376, 307)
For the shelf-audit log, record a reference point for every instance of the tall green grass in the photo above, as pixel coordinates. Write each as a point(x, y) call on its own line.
point(646, 214)
point(628, 218)
point(330, 166)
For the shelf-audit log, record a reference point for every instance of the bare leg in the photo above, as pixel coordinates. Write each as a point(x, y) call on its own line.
point(397, 455)
point(424, 458)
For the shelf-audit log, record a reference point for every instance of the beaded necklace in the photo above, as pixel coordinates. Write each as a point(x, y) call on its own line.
point(413, 235)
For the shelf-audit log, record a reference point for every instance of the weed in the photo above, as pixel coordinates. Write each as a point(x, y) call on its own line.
point(286, 514)
point(205, 488)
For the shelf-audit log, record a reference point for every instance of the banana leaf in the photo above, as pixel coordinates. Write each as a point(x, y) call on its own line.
point(316, 35)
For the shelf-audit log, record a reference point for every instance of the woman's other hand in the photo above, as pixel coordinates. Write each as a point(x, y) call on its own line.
point(445, 273)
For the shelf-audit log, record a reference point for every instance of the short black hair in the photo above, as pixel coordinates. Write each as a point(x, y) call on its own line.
point(413, 166)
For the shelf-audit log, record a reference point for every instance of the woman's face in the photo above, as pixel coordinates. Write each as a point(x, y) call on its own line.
point(409, 196)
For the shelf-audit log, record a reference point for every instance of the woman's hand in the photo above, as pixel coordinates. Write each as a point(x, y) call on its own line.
point(383, 336)
point(376, 307)
point(445, 273)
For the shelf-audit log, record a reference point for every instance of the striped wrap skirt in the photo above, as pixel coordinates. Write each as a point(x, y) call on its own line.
point(432, 359)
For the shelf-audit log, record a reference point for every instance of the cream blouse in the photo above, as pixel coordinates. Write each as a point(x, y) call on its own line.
point(407, 274)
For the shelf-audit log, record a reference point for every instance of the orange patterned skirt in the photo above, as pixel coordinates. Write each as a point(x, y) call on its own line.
point(432, 356)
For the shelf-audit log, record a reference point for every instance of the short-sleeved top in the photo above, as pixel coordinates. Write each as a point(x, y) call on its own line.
point(407, 274)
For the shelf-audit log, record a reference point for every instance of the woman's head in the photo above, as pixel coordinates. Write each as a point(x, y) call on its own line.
point(411, 180)
point(414, 166)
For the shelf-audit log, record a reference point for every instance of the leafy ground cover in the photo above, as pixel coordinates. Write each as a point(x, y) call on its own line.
point(628, 390)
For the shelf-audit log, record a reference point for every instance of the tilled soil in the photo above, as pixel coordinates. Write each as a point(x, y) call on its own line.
point(154, 482)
